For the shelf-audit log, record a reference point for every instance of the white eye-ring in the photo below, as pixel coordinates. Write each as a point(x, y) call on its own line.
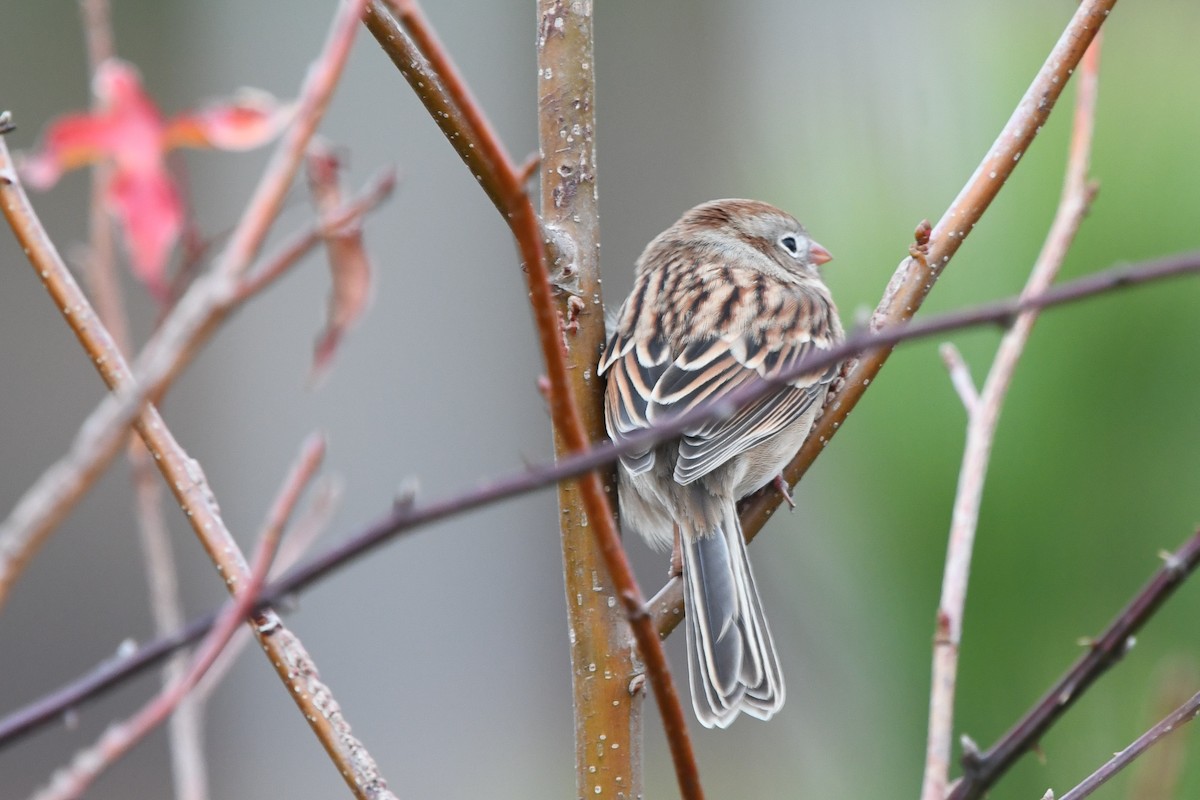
point(791, 243)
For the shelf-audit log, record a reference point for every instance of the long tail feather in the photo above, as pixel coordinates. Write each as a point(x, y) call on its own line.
point(732, 665)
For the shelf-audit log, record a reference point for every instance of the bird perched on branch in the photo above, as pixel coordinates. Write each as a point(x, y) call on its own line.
point(726, 296)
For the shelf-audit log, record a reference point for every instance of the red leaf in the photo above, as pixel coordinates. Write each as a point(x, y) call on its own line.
point(128, 130)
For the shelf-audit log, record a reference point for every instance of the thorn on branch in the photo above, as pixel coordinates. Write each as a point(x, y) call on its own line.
point(972, 758)
point(1173, 564)
point(406, 495)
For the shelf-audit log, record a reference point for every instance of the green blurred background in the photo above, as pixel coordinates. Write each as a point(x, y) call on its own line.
point(448, 650)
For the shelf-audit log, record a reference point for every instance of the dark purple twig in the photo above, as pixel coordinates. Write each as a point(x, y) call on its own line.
point(410, 516)
point(982, 771)
point(1169, 724)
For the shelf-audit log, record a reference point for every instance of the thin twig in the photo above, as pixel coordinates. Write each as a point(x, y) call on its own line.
point(185, 730)
point(1173, 721)
point(960, 376)
point(60, 487)
point(99, 259)
point(984, 770)
point(1158, 775)
point(409, 517)
point(983, 418)
point(422, 56)
point(119, 739)
point(466, 129)
point(915, 277)
point(295, 247)
point(296, 542)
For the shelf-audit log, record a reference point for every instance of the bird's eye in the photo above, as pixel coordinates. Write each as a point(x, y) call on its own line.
point(789, 242)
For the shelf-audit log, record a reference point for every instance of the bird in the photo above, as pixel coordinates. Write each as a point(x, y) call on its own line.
point(727, 296)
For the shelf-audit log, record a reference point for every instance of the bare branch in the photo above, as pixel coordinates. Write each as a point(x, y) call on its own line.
point(1173, 721)
point(917, 274)
point(419, 59)
point(188, 764)
point(409, 517)
point(960, 376)
point(984, 770)
point(603, 664)
point(983, 417)
point(120, 739)
point(198, 312)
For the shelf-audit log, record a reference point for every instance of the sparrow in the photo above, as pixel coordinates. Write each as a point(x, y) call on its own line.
point(726, 296)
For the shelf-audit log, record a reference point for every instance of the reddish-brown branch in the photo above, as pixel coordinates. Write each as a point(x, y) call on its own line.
point(608, 717)
point(430, 89)
point(915, 276)
point(505, 187)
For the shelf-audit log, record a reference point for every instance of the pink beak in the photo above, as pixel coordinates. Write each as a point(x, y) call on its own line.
point(818, 254)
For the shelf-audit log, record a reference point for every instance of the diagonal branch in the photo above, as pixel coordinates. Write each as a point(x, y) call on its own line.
point(1169, 724)
point(198, 311)
point(983, 414)
point(916, 275)
point(409, 517)
point(982, 771)
point(118, 740)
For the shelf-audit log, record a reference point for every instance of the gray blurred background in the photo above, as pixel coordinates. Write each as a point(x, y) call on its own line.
point(447, 650)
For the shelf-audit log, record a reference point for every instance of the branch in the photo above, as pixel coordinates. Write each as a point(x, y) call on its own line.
point(409, 517)
point(421, 59)
point(185, 730)
point(120, 739)
point(201, 308)
point(1173, 721)
point(1158, 774)
point(960, 377)
point(297, 541)
point(983, 416)
point(43, 505)
point(447, 99)
point(916, 275)
point(603, 664)
point(982, 771)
